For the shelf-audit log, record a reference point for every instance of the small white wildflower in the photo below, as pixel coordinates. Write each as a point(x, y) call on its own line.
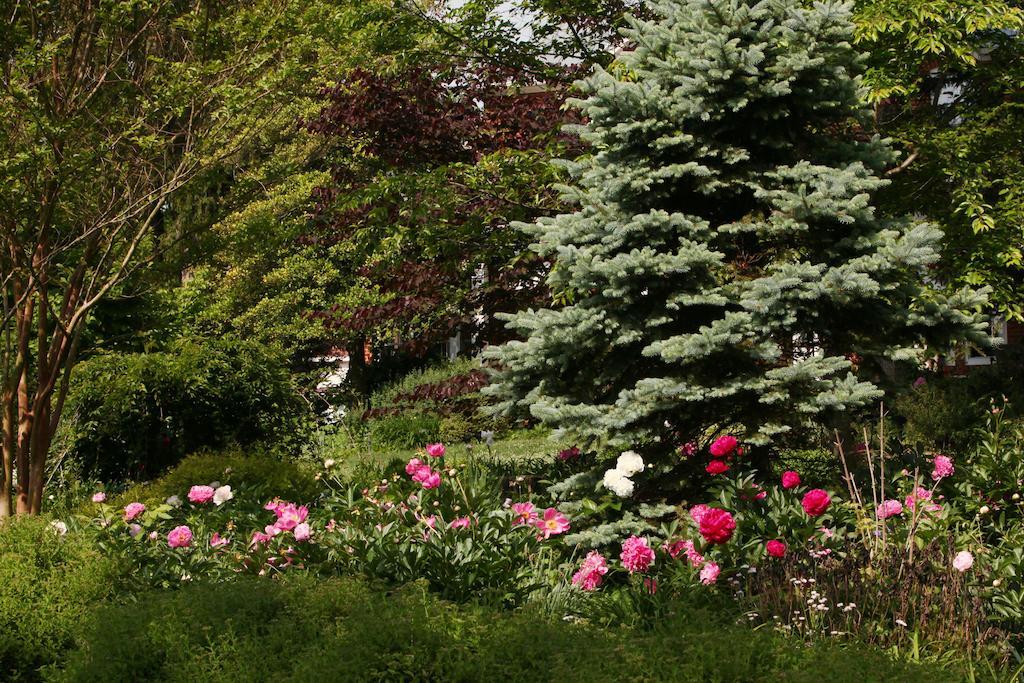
point(328, 463)
point(901, 622)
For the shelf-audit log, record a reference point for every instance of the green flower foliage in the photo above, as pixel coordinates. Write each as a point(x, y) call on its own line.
point(726, 261)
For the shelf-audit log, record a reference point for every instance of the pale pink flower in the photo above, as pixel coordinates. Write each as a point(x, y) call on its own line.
point(435, 450)
point(153, 535)
point(179, 537)
point(889, 508)
point(133, 510)
point(216, 540)
point(135, 530)
point(259, 538)
point(943, 467)
point(201, 494)
point(99, 497)
point(552, 524)
point(271, 530)
point(274, 505)
point(709, 574)
point(301, 532)
point(590, 574)
point(636, 555)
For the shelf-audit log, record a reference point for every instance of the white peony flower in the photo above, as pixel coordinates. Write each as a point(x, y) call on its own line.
point(222, 495)
point(173, 500)
point(963, 561)
point(60, 527)
point(629, 463)
point(618, 483)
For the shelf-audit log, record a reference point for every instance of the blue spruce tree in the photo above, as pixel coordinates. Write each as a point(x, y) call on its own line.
point(726, 261)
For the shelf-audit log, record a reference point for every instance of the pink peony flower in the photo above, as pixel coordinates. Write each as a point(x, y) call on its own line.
point(592, 570)
point(435, 450)
point(723, 446)
point(917, 494)
point(432, 481)
point(697, 511)
point(889, 508)
point(942, 467)
point(688, 449)
point(259, 538)
point(201, 494)
point(525, 513)
point(216, 540)
point(651, 584)
point(271, 530)
point(716, 526)
point(180, 537)
point(553, 523)
point(790, 479)
point(133, 510)
point(135, 530)
point(99, 497)
point(301, 532)
point(716, 467)
point(289, 516)
point(274, 505)
point(687, 547)
point(776, 548)
point(636, 555)
point(153, 535)
point(413, 466)
point(815, 502)
point(709, 574)
point(459, 523)
point(569, 453)
point(963, 561)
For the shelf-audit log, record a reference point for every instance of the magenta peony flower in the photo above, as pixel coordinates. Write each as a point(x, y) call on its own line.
point(592, 570)
point(889, 508)
point(723, 446)
point(553, 523)
point(636, 555)
point(942, 467)
point(413, 466)
point(180, 537)
point(201, 494)
point(716, 526)
point(815, 502)
point(685, 546)
point(697, 512)
point(459, 523)
point(435, 450)
point(99, 497)
point(790, 479)
point(569, 453)
point(776, 548)
point(432, 481)
point(716, 467)
point(301, 532)
point(525, 513)
point(709, 574)
point(259, 538)
point(688, 449)
point(133, 510)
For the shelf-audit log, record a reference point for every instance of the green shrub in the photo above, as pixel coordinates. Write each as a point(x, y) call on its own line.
point(130, 416)
point(48, 584)
point(408, 430)
point(259, 471)
point(300, 629)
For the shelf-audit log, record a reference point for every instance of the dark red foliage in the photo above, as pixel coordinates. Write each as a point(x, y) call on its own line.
point(443, 395)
